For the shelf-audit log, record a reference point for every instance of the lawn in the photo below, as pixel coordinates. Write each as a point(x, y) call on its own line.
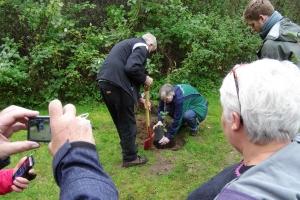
point(169, 174)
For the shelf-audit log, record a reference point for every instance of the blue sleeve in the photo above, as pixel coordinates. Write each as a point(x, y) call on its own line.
point(178, 113)
point(160, 108)
point(79, 174)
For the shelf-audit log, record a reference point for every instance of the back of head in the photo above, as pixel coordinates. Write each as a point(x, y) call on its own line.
point(269, 99)
point(166, 91)
point(256, 8)
point(150, 39)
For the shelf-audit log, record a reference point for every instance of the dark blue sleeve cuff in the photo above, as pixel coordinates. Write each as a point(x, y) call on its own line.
point(4, 163)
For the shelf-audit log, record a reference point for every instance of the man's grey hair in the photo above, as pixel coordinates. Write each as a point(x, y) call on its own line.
point(166, 91)
point(150, 39)
point(269, 99)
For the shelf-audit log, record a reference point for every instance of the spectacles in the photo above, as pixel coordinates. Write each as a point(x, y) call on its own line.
point(237, 89)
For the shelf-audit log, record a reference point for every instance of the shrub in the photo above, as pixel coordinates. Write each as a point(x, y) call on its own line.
point(57, 51)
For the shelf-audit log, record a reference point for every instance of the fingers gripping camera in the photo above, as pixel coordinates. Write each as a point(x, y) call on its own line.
point(39, 127)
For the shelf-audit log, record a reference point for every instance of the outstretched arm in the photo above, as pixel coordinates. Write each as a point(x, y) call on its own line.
point(76, 166)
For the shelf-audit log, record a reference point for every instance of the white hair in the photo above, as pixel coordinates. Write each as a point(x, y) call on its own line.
point(269, 96)
point(150, 39)
point(166, 91)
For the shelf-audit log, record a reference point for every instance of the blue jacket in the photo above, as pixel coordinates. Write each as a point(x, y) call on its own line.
point(186, 98)
point(79, 174)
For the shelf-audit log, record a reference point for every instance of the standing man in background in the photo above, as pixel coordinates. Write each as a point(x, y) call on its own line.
point(120, 78)
point(275, 30)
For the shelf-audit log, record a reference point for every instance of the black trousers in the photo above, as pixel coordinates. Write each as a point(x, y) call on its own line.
point(121, 108)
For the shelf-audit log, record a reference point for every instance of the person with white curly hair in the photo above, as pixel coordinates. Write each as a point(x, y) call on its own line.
point(261, 120)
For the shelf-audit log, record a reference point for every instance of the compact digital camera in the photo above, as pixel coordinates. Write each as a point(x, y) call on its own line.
point(39, 129)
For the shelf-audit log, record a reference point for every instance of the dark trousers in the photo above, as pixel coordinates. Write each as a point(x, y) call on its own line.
point(121, 108)
point(189, 117)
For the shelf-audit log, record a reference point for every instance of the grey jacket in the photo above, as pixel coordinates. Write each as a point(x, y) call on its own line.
point(278, 177)
point(279, 44)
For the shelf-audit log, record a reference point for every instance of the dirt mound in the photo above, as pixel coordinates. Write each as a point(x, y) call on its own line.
point(176, 143)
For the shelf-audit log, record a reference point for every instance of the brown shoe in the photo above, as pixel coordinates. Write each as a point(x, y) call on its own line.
point(138, 161)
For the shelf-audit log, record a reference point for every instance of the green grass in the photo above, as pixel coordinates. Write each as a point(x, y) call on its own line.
point(168, 175)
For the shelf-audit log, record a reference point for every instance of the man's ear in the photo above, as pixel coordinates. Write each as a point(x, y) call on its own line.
point(150, 47)
point(236, 121)
point(263, 18)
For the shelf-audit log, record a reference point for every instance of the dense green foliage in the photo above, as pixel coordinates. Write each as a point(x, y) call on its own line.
point(54, 48)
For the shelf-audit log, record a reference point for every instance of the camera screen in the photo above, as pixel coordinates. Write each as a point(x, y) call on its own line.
point(39, 129)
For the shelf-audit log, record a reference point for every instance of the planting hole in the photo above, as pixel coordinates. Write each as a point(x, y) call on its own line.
point(176, 143)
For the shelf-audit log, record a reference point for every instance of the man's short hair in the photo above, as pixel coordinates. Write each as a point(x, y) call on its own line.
point(166, 91)
point(150, 39)
point(256, 8)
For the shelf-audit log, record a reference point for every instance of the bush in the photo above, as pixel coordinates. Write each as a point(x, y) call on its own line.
point(61, 57)
point(57, 50)
point(14, 79)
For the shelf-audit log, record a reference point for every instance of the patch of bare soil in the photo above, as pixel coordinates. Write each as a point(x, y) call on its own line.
point(176, 143)
point(162, 164)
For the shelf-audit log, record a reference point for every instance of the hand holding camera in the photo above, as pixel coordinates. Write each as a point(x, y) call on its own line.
point(25, 171)
point(66, 126)
point(13, 119)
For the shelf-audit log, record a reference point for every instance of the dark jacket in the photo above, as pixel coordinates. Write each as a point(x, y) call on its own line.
point(4, 163)
point(279, 44)
point(125, 67)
